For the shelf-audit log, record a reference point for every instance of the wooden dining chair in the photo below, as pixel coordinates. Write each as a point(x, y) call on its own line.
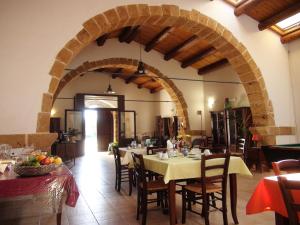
point(286, 166)
point(214, 173)
point(146, 187)
point(123, 172)
point(293, 208)
point(240, 148)
point(154, 150)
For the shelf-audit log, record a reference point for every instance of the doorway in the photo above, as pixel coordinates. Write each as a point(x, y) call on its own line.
point(90, 141)
point(105, 128)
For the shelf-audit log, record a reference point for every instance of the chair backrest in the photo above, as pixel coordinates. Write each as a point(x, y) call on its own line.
point(139, 168)
point(117, 157)
point(240, 145)
point(199, 142)
point(209, 141)
point(154, 150)
point(286, 187)
point(286, 166)
point(214, 168)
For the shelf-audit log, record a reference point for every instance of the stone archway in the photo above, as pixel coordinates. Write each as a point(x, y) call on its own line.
point(192, 21)
point(168, 85)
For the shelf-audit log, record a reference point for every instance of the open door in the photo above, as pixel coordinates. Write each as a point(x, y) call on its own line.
point(105, 129)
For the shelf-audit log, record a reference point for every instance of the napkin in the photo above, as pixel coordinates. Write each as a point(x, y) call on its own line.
point(2, 167)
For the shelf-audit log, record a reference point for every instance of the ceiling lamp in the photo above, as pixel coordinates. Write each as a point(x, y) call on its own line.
point(141, 66)
point(109, 89)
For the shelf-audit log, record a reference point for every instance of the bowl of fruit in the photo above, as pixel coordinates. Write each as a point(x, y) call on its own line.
point(37, 165)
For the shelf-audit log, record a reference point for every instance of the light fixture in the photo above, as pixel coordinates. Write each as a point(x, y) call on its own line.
point(109, 89)
point(141, 67)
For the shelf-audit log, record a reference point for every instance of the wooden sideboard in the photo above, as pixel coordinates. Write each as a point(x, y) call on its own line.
point(68, 150)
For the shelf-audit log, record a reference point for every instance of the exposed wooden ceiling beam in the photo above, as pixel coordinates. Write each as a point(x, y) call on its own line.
point(275, 18)
point(213, 66)
point(160, 36)
point(290, 37)
point(132, 78)
point(197, 57)
point(176, 50)
point(134, 32)
point(116, 73)
point(102, 39)
point(241, 9)
point(142, 85)
point(157, 89)
point(124, 34)
point(100, 70)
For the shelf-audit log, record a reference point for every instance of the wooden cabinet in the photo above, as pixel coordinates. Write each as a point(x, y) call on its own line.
point(54, 124)
point(238, 121)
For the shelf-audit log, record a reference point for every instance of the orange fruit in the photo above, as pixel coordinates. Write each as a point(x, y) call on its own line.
point(51, 159)
point(40, 157)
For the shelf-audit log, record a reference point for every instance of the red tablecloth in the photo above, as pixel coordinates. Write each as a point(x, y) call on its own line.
point(55, 183)
point(267, 196)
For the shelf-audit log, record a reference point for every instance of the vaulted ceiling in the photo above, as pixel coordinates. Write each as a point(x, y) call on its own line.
point(192, 51)
point(173, 43)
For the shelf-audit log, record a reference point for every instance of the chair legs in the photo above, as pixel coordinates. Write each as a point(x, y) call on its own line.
point(130, 173)
point(207, 201)
point(183, 206)
point(120, 178)
point(144, 207)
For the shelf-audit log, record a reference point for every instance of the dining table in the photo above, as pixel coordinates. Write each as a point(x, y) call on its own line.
point(126, 157)
point(180, 167)
point(25, 198)
point(267, 197)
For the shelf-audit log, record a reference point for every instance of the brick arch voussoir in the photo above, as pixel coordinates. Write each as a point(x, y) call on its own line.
point(166, 15)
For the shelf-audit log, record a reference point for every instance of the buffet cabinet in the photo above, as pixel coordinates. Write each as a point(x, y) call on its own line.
point(238, 120)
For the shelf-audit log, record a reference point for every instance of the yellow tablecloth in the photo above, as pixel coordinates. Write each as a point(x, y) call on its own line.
point(184, 168)
point(126, 154)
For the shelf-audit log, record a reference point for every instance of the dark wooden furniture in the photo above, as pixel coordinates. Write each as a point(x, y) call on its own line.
point(255, 156)
point(165, 129)
point(238, 122)
point(286, 166)
point(146, 187)
point(207, 185)
point(275, 153)
point(68, 151)
point(286, 187)
point(123, 172)
point(55, 124)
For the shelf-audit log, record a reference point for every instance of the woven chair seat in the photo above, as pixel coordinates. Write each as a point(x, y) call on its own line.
point(155, 185)
point(210, 188)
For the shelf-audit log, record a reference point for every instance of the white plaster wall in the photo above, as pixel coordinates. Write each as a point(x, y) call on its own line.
point(32, 33)
point(219, 91)
point(96, 83)
point(294, 59)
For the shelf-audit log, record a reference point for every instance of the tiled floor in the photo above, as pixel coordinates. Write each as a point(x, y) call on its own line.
point(99, 203)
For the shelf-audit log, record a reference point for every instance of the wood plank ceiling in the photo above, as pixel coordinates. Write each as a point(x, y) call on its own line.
point(173, 43)
point(190, 50)
point(270, 12)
